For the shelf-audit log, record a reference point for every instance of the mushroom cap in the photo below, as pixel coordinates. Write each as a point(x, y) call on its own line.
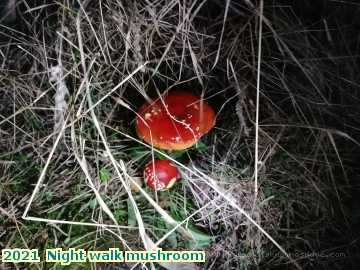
point(174, 122)
point(160, 174)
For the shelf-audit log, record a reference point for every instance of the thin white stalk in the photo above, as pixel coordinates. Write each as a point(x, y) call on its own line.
point(56, 221)
point(43, 172)
point(257, 100)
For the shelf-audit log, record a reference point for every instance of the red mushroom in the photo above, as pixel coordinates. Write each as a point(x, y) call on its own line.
point(160, 174)
point(174, 122)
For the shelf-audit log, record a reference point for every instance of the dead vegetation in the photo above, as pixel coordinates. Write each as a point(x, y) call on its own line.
point(72, 76)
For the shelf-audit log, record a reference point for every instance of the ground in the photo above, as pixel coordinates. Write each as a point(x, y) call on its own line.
point(272, 186)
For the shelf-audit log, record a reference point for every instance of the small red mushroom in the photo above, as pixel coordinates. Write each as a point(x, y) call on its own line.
point(174, 122)
point(160, 174)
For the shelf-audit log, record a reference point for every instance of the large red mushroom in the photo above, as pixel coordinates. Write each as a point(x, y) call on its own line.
point(160, 174)
point(174, 122)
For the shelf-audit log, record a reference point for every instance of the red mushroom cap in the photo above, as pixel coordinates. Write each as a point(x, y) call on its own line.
point(174, 122)
point(160, 174)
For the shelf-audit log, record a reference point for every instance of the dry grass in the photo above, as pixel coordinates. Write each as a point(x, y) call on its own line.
point(72, 76)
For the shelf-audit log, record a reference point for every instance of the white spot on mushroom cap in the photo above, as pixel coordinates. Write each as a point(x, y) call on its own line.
point(147, 116)
point(159, 185)
point(147, 177)
point(155, 110)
